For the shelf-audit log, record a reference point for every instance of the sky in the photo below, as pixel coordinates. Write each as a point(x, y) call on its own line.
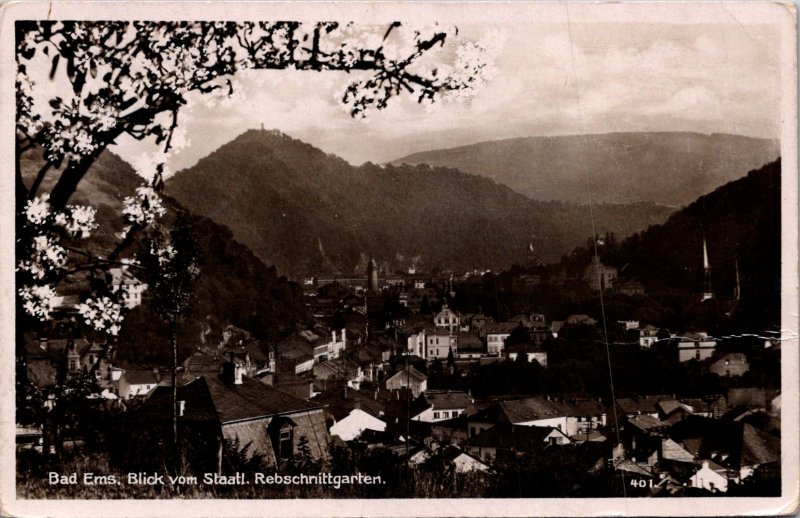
point(547, 79)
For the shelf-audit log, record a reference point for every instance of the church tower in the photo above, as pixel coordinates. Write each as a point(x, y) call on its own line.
point(372, 276)
point(707, 294)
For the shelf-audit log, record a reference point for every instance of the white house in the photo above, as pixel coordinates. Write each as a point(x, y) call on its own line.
point(415, 343)
point(496, 335)
point(408, 377)
point(443, 405)
point(695, 346)
point(464, 463)
point(539, 356)
point(439, 344)
point(448, 319)
point(710, 476)
point(134, 383)
point(648, 336)
point(351, 426)
point(131, 287)
point(331, 349)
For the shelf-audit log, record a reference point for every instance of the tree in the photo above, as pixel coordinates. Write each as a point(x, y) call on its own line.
point(120, 78)
point(132, 78)
point(170, 263)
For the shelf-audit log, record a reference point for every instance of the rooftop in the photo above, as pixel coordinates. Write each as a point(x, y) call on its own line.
point(252, 400)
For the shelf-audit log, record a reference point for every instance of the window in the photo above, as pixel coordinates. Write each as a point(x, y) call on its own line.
point(436, 415)
point(445, 415)
point(697, 354)
point(285, 444)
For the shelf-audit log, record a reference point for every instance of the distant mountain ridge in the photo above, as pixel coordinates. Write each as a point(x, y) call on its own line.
point(671, 168)
point(309, 212)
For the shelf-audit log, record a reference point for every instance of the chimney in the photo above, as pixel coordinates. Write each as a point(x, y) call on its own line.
point(157, 374)
point(334, 336)
point(344, 335)
point(43, 343)
point(181, 407)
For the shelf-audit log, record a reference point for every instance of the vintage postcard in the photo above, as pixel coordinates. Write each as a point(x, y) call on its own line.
point(398, 259)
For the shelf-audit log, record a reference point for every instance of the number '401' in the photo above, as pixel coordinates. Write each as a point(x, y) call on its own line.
point(641, 482)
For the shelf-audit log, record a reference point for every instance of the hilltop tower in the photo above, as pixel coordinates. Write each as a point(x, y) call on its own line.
point(372, 276)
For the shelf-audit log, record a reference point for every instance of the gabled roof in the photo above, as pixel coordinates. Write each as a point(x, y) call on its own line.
point(647, 423)
point(731, 443)
point(448, 400)
point(339, 367)
point(501, 327)
point(532, 409)
point(671, 450)
point(668, 406)
point(202, 362)
point(198, 405)
point(340, 404)
point(252, 400)
point(584, 407)
point(520, 438)
point(639, 405)
point(409, 372)
point(298, 345)
point(491, 414)
point(140, 377)
point(758, 447)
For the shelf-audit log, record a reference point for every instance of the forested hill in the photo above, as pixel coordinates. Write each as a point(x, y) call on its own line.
point(234, 286)
point(672, 168)
point(741, 223)
point(309, 212)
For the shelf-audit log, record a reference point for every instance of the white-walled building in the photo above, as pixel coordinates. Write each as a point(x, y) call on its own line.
point(448, 319)
point(353, 425)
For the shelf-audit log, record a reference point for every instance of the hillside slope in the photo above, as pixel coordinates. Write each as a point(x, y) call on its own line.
point(666, 168)
point(309, 212)
point(234, 286)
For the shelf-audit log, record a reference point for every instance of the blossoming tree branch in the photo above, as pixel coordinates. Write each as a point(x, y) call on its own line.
point(82, 85)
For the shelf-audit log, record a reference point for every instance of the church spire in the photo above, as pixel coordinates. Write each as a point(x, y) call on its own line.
point(707, 294)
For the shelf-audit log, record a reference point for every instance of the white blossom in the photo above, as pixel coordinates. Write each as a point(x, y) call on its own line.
point(165, 255)
point(77, 220)
point(39, 301)
point(144, 208)
point(103, 314)
point(37, 210)
point(46, 256)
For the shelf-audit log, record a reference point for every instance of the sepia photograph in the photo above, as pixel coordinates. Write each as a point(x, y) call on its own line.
point(384, 259)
